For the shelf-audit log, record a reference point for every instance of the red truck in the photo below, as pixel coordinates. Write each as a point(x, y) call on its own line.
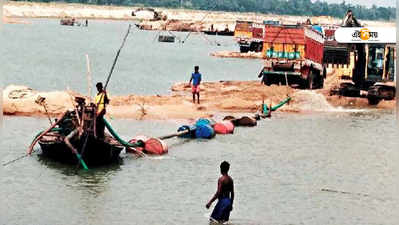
point(293, 54)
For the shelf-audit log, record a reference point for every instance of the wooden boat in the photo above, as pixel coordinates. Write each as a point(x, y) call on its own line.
point(166, 38)
point(67, 21)
point(63, 142)
point(96, 152)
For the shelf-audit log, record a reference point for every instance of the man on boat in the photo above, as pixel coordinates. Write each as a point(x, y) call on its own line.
point(224, 194)
point(196, 79)
point(101, 100)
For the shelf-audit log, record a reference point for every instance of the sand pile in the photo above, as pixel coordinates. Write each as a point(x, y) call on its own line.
point(20, 100)
point(229, 54)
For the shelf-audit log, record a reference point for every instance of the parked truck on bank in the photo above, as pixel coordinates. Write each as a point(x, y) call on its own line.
point(249, 36)
point(293, 54)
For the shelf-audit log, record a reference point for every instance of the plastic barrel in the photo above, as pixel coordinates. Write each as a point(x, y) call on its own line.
point(191, 128)
point(155, 146)
point(224, 127)
point(140, 138)
point(204, 131)
point(229, 125)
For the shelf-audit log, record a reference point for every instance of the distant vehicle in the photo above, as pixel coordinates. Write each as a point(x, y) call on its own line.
point(249, 36)
point(293, 54)
point(148, 14)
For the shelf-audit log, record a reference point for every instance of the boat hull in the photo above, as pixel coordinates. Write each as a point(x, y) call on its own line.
point(220, 33)
point(97, 152)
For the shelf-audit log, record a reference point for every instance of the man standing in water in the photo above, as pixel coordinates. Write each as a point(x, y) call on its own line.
point(101, 100)
point(196, 79)
point(224, 194)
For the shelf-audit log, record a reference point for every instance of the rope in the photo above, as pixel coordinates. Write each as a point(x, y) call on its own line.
point(116, 57)
point(16, 159)
point(34, 150)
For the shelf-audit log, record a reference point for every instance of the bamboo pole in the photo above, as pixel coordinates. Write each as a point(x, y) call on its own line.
point(174, 135)
point(88, 77)
point(68, 143)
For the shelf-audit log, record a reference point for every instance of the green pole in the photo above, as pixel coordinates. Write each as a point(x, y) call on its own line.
point(81, 161)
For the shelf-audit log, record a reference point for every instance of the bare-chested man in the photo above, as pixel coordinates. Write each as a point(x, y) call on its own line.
point(224, 194)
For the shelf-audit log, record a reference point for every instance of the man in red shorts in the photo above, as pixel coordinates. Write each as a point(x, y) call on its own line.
point(196, 79)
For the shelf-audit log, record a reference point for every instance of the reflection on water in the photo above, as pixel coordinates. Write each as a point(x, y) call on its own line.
point(93, 181)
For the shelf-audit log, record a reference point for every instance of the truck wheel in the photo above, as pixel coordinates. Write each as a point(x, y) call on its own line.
point(244, 49)
point(304, 84)
point(310, 80)
point(267, 80)
point(321, 83)
point(252, 47)
point(373, 100)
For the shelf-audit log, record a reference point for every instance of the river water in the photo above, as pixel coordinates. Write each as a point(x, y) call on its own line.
point(317, 168)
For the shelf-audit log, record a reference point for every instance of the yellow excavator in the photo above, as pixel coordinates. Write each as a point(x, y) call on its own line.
point(373, 69)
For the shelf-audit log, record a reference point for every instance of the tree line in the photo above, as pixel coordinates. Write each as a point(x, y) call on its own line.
point(284, 7)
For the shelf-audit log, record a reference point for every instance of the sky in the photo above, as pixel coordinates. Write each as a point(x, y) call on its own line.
point(367, 3)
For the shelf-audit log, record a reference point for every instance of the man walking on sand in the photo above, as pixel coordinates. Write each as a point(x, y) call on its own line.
point(224, 194)
point(196, 79)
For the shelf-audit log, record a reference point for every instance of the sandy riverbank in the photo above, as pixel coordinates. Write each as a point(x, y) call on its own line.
point(217, 98)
